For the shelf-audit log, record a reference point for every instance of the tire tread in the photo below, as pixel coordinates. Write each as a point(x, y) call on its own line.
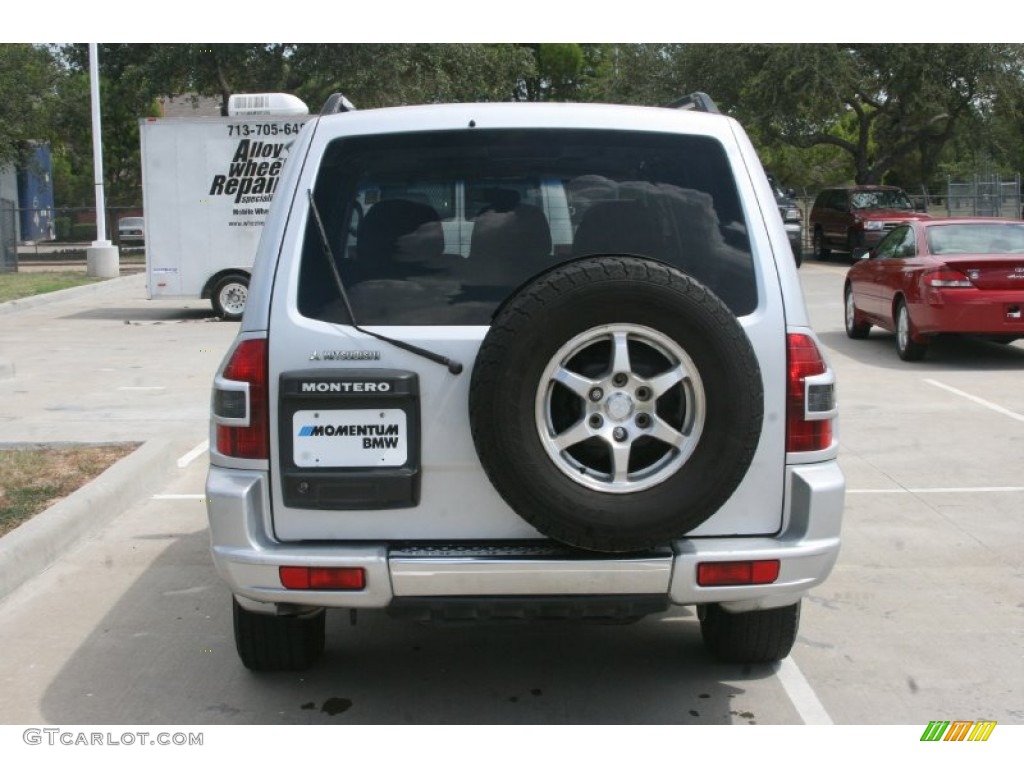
point(278, 643)
point(749, 638)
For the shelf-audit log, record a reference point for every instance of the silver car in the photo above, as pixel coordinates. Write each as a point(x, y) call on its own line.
point(131, 229)
point(600, 399)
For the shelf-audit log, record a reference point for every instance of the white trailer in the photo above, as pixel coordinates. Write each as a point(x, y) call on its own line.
point(207, 183)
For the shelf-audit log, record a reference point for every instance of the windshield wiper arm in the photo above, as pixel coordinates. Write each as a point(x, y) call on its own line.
point(454, 366)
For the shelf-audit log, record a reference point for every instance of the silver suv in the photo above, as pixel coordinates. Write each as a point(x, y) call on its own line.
point(523, 361)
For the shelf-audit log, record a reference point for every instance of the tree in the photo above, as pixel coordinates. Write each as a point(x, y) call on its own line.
point(559, 72)
point(27, 95)
point(130, 84)
point(640, 74)
point(379, 75)
point(878, 104)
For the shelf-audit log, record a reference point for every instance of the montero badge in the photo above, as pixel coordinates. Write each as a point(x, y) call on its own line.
point(345, 354)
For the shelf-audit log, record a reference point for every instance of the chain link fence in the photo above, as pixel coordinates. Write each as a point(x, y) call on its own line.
point(989, 195)
point(8, 241)
point(67, 233)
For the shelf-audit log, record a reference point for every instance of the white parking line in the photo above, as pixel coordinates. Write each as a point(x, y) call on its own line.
point(196, 452)
point(976, 489)
point(978, 400)
point(179, 496)
point(807, 704)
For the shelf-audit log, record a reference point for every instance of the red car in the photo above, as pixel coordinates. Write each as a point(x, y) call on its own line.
point(940, 276)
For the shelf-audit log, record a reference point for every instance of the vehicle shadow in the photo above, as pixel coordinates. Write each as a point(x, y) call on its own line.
point(165, 654)
point(945, 353)
point(161, 314)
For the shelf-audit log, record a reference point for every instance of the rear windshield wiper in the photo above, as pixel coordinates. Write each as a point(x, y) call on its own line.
point(453, 366)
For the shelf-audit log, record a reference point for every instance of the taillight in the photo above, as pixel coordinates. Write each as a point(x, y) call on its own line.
point(810, 396)
point(947, 278)
point(240, 404)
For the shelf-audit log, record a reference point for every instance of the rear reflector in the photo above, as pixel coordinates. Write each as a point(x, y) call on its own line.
point(297, 577)
point(732, 574)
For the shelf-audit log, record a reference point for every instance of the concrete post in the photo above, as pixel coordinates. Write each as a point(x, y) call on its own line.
point(102, 260)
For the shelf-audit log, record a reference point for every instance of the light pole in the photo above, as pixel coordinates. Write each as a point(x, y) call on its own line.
point(102, 259)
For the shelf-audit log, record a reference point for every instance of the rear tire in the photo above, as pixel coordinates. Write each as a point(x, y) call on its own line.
point(854, 240)
point(821, 251)
point(908, 349)
point(753, 637)
point(278, 643)
point(855, 329)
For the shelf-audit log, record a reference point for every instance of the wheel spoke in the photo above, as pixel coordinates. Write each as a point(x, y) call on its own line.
point(620, 353)
point(663, 382)
point(579, 385)
point(577, 433)
point(620, 461)
point(590, 439)
point(666, 434)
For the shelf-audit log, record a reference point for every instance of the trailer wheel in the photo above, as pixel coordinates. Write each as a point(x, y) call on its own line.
point(229, 296)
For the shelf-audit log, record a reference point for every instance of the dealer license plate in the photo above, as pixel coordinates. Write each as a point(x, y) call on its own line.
point(350, 438)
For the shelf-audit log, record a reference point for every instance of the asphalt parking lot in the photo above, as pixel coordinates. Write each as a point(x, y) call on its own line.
point(923, 618)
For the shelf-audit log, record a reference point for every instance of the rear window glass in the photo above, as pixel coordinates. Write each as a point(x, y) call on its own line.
point(440, 228)
point(976, 238)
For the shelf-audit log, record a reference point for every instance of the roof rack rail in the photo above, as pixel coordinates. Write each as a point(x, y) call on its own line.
point(698, 100)
point(336, 103)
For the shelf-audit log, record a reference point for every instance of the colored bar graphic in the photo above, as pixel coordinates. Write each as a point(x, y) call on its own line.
point(982, 730)
point(958, 730)
point(935, 730)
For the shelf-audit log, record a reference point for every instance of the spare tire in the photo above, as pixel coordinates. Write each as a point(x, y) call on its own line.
point(615, 403)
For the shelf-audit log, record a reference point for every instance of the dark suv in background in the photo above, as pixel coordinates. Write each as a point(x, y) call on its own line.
point(844, 218)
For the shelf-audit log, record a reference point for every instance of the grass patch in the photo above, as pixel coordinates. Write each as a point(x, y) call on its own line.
point(33, 479)
point(18, 285)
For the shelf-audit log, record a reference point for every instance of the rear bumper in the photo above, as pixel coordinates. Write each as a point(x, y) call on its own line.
point(968, 310)
point(795, 233)
point(248, 558)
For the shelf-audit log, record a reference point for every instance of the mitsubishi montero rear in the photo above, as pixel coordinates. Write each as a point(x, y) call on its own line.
point(523, 362)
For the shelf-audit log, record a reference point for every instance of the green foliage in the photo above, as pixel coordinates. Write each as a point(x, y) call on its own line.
point(62, 227)
point(818, 113)
point(27, 97)
point(641, 74)
point(887, 106)
point(83, 233)
point(18, 285)
point(379, 75)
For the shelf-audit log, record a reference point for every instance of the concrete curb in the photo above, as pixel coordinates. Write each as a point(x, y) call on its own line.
point(33, 546)
point(115, 283)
